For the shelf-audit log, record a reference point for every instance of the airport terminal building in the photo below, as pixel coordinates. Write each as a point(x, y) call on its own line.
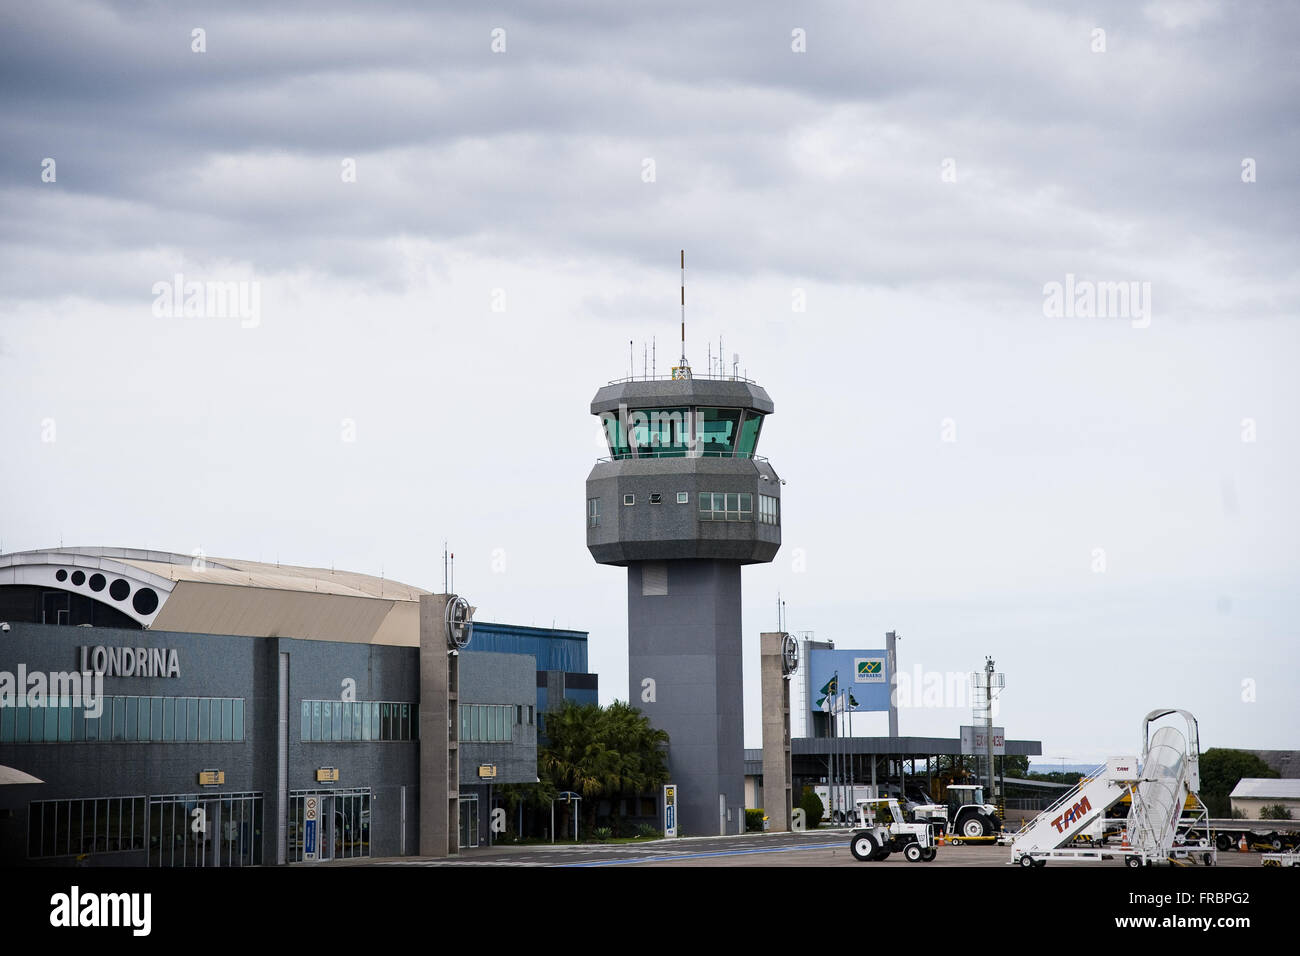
point(235, 696)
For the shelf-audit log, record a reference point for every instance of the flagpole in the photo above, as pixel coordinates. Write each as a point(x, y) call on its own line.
point(834, 749)
point(853, 796)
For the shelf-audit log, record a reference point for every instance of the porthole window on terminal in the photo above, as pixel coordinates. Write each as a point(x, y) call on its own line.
point(656, 499)
point(119, 589)
point(629, 499)
point(78, 578)
point(97, 582)
point(61, 575)
point(145, 601)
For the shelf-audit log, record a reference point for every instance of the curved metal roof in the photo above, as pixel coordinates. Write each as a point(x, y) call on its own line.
point(210, 595)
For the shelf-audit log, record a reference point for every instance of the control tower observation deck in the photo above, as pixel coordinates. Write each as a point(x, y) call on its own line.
point(683, 502)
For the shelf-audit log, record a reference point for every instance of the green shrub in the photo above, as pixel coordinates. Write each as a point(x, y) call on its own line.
point(754, 821)
point(601, 834)
point(812, 808)
point(1275, 812)
point(647, 831)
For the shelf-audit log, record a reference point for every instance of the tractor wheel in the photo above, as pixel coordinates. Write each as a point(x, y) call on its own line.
point(883, 853)
point(864, 846)
point(913, 853)
point(1026, 860)
point(1276, 842)
point(974, 827)
point(1223, 841)
point(1132, 861)
point(929, 853)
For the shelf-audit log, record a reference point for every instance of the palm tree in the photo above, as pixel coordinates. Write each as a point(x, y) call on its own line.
point(603, 752)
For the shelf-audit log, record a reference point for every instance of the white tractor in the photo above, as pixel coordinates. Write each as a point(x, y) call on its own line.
point(965, 816)
point(882, 831)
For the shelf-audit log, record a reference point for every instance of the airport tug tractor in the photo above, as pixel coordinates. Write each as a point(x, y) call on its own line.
point(882, 830)
point(965, 815)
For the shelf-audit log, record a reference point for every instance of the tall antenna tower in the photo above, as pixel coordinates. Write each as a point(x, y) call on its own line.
point(683, 369)
point(985, 685)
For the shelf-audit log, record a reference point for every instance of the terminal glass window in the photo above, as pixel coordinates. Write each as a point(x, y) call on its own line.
point(593, 512)
point(76, 827)
point(486, 723)
point(717, 506)
point(124, 719)
point(769, 509)
point(716, 431)
point(360, 720)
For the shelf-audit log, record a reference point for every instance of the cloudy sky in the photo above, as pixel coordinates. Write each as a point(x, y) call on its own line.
point(455, 220)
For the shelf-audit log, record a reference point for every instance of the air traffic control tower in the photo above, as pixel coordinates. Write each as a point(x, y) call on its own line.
point(683, 502)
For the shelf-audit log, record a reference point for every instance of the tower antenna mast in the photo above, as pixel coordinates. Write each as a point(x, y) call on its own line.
point(683, 369)
point(683, 307)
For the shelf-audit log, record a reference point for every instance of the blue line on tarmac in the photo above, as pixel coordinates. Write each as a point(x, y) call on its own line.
point(696, 856)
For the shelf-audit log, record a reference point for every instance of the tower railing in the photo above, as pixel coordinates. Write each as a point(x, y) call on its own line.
point(694, 377)
point(661, 453)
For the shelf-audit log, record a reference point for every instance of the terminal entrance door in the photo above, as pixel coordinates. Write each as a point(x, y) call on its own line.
point(469, 821)
point(342, 828)
point(205, 829)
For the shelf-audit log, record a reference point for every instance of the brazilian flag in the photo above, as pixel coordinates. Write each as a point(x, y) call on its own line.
point(830, 690)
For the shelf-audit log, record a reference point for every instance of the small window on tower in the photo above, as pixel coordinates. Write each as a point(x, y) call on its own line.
point(656, 499)
point(629, 499)
point(683, 497)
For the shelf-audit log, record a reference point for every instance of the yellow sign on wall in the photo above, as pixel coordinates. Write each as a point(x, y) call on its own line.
point(327, 775)
point(486, 770)
point(211, 778)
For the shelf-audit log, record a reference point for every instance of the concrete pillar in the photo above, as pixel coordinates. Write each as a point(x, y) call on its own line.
point(439, 728)
point(778, 791)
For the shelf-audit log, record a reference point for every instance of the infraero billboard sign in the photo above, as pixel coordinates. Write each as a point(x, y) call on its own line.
point(861, 676)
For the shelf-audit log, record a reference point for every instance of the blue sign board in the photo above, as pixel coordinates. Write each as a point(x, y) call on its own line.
point(309, 838)
point(670, 810)
point(861, 676)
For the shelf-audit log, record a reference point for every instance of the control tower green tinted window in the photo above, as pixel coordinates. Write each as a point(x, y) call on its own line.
point(615, 435)
point(659, 432)
point(716, 431)
point(749, 435)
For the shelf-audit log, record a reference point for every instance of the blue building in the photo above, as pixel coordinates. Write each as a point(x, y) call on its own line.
point(561, 657)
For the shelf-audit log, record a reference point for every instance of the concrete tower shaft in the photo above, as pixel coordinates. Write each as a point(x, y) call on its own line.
point(683, 502)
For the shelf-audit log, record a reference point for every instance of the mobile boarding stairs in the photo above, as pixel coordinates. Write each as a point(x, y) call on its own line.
point(1159, 789)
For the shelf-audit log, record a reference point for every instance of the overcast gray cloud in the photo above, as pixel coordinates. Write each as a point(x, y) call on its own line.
point(517, 179)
